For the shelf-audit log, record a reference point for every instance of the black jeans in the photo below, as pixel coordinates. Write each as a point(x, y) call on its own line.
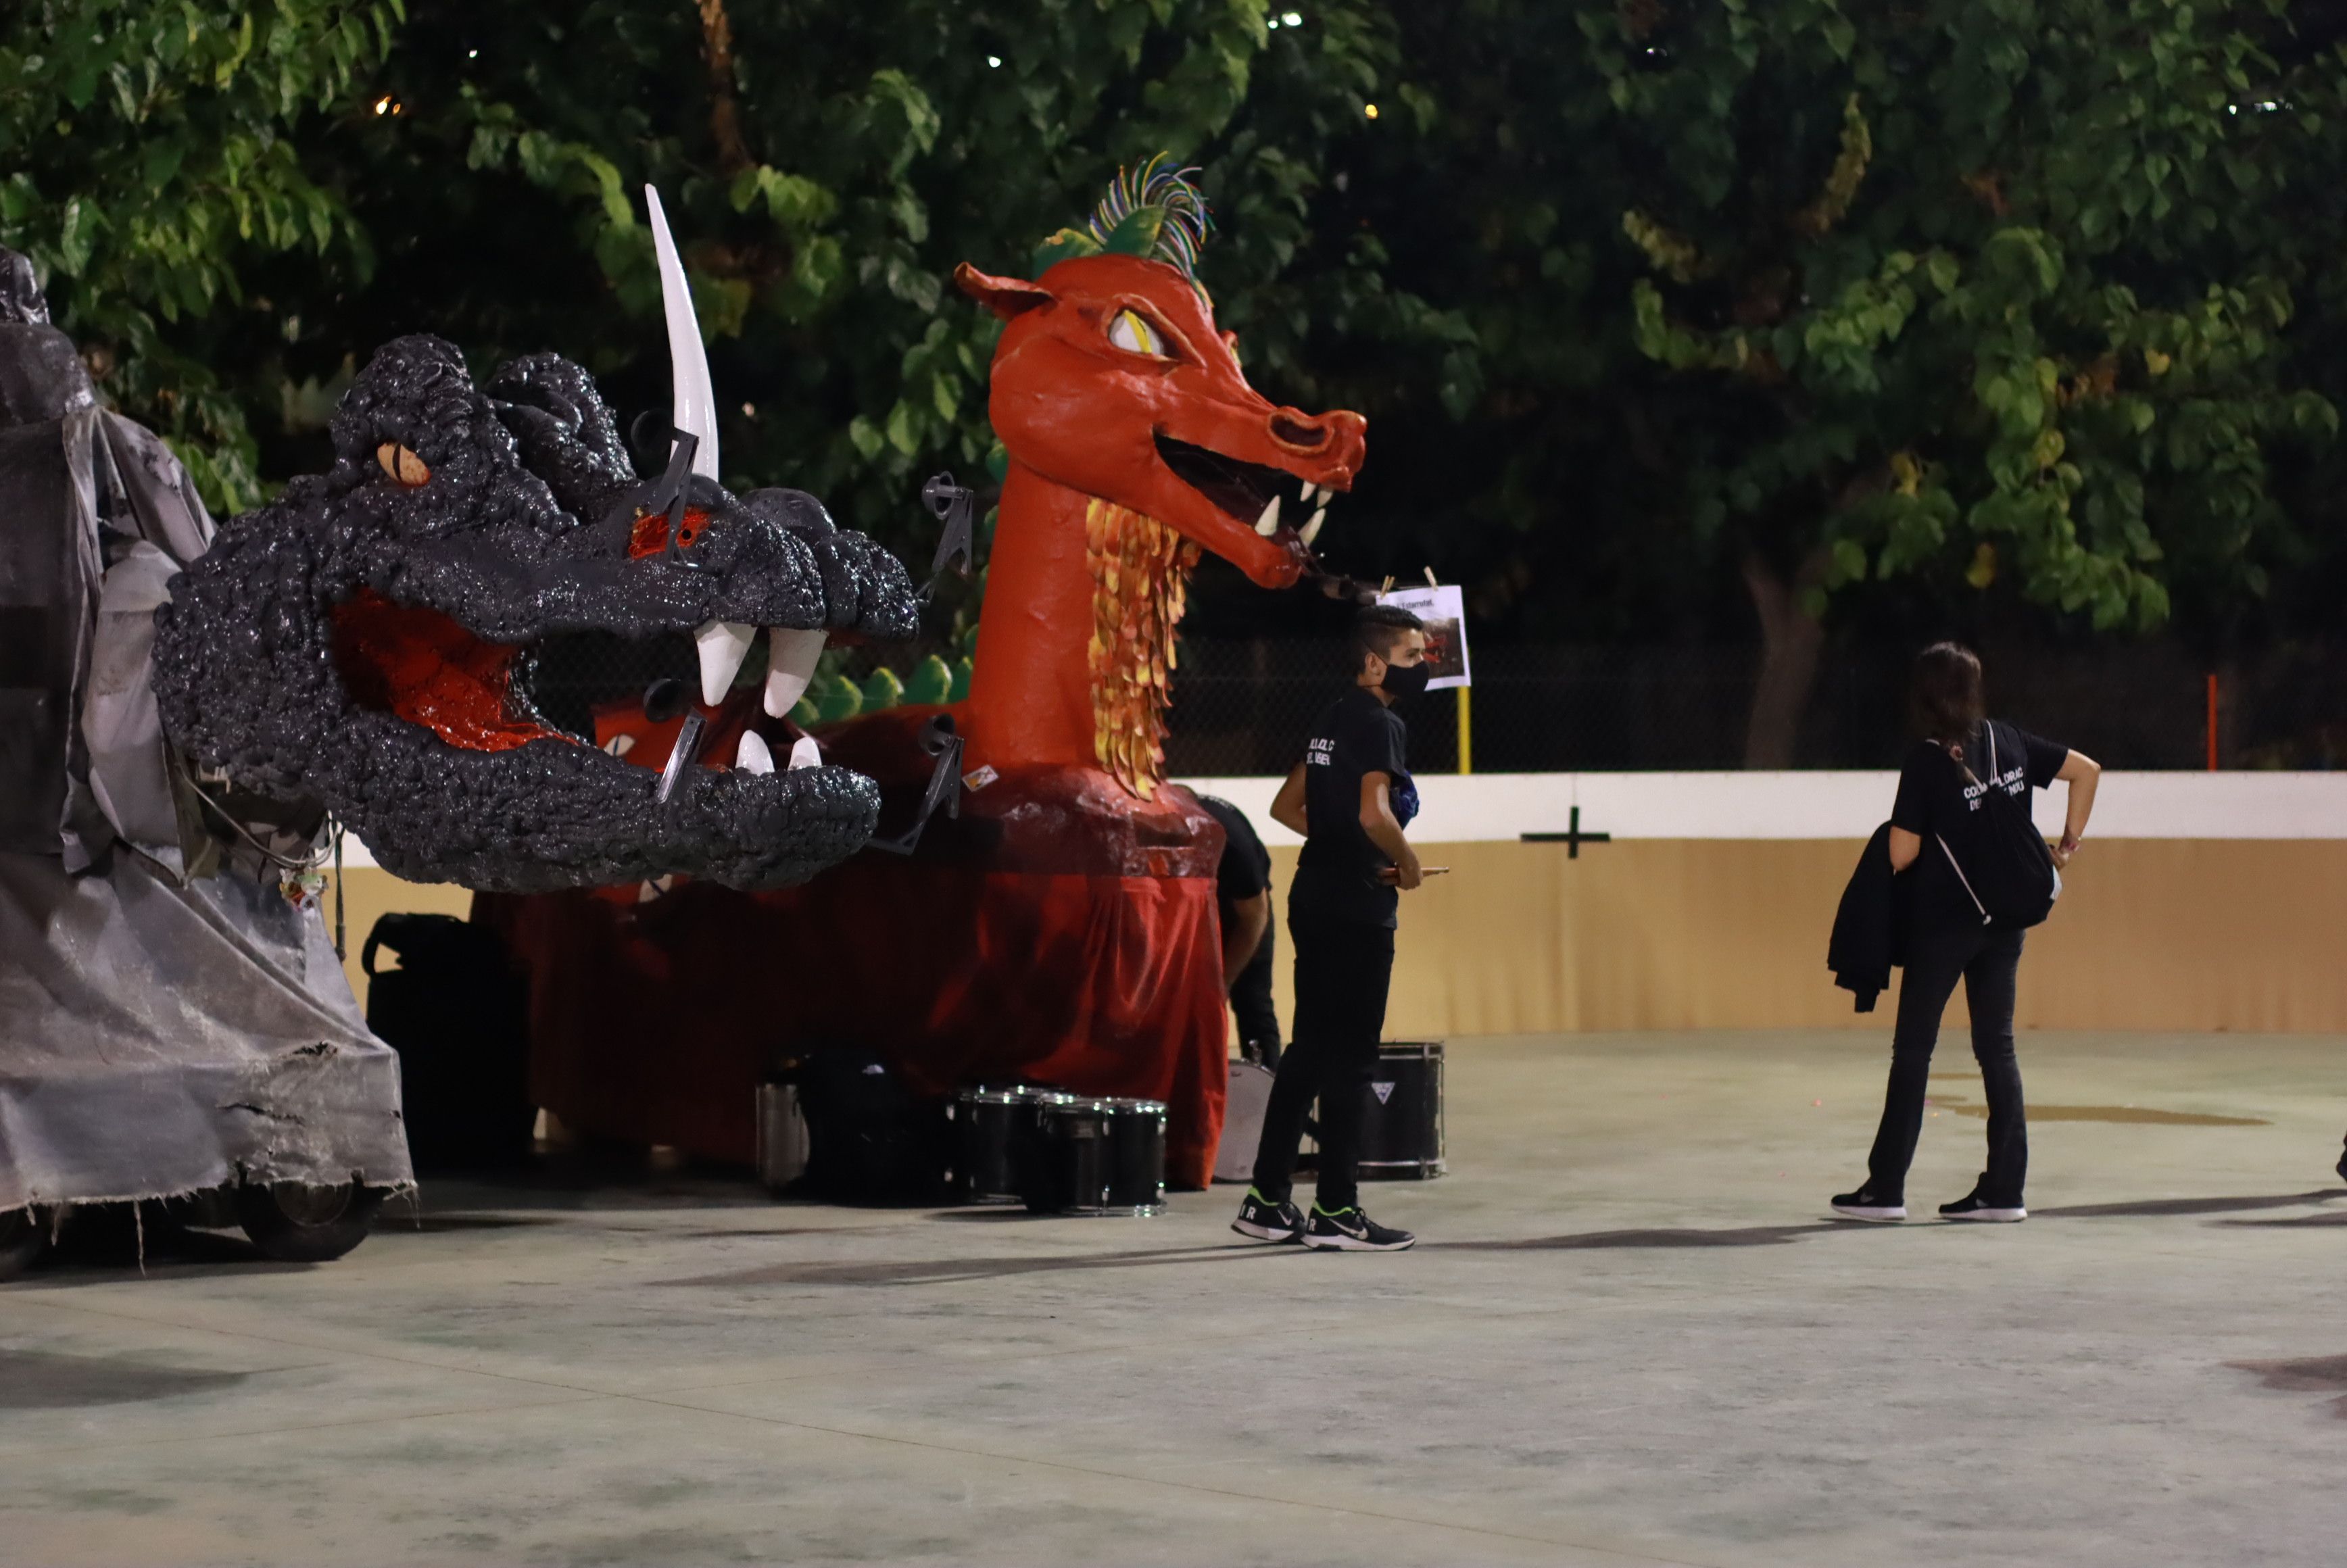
point(1988, 961)
point(1251, 1006)
point(1342, 970)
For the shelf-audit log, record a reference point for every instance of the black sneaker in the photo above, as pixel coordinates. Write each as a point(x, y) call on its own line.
point(1282, 1221)
point(1350, 1230)
point(1971, 1207)
point(1873, 1208)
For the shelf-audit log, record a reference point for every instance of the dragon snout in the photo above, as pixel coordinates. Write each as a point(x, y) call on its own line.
point(1338, 436)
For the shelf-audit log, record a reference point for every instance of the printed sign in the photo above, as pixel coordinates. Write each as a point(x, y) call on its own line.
point(1444, 611)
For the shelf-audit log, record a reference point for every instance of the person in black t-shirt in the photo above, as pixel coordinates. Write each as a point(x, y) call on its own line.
point(1243, 898)
point(1960, 755)
point(1350, 797)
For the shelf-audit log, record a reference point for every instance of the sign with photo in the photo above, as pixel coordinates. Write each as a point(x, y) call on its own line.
point(1444, 611)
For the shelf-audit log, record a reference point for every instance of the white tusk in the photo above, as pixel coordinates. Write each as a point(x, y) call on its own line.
point(620, 745)
point(1311, 530)
point(695, 402)
point(1310, 490)
point(791, 654)
point(722, 645)
point(754, 756)
point(1268, 523)
point(805, 754)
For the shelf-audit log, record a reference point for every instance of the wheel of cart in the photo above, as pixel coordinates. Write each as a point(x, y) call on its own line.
point(294, 1222)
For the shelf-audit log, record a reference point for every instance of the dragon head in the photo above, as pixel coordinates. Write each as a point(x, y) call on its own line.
point(369, 639)
point(1112, 378)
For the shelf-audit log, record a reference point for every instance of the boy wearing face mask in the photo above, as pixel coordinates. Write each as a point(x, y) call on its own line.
point(1350, 799)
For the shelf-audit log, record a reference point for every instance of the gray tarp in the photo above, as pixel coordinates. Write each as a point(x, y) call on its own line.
point(156, 1037)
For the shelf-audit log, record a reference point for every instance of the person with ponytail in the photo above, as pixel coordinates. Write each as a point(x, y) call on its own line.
point(1961, 826)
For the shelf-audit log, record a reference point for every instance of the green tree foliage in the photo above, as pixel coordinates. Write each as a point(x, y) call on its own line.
point(154, 152)
point(1975, 286)
point(826, 168)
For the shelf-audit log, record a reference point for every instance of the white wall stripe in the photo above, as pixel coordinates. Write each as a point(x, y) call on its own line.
point(1839, 805)
point(1502, 806)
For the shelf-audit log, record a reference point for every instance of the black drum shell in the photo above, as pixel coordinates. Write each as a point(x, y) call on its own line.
point(1069, 1168)
point(993, 1128)
point(1136, 1156)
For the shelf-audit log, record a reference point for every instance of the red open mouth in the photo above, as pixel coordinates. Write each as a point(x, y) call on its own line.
point(421, 666)
point(424, 667)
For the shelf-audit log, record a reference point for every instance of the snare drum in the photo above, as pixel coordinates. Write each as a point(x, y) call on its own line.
point(992, 1128)
point(1136, 1138)
point(1401, 1120)
point(1068, 1169)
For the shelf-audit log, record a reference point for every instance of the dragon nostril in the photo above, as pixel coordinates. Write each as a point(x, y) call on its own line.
point(1297, 432)
point(402, 464)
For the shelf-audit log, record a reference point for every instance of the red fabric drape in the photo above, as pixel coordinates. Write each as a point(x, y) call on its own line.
point(1059, 932)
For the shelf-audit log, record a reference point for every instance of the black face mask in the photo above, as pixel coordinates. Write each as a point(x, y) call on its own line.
point(1406, 680)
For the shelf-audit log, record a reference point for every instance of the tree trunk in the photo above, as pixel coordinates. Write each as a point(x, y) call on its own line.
point(724, 118)
point(1790, 640)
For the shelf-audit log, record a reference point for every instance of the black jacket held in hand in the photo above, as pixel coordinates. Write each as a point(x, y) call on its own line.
point(1870, 929)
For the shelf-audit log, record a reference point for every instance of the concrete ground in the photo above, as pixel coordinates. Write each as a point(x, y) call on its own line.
point(1627, 1338)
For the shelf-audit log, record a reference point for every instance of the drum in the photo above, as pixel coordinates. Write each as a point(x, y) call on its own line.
point(1136, 1163)
point(1068, 1170)
point(1401, 1121)
point(992, 1130)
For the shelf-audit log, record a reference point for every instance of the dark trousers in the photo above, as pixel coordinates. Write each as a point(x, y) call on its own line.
point(1251, 1007)
point(1988, 961)
point(1342, 970)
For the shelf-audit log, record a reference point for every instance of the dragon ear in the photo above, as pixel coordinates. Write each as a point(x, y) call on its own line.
point(1005, 297)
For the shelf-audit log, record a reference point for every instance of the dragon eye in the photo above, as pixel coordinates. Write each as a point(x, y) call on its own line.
point(1131, 332)
point(402, 464)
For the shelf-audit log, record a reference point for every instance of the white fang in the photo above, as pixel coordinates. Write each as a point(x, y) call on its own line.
point(722, 645)
point(754, 756)
point(791, 654)
point(1268, 524)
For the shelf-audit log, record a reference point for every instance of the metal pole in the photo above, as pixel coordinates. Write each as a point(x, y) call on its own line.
point(1466, 731)
point(2212, 721)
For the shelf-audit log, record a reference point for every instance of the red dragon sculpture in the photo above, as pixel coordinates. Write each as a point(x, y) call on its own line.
point(1062, 929)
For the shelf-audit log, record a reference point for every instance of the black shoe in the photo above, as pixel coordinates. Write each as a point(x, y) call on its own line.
point(1971, 1207)
point(1873, 1208)
point(1350, 1230)
point(2343, 1167)
point(1282, 1221)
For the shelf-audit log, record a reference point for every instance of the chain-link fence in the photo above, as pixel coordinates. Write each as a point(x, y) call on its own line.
point(1244, 707)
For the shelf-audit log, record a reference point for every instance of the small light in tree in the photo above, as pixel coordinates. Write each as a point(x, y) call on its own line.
point(472, 53)
point(1272, 22)
point(993, 62)
point(383, 104)
point(1371, 110)
point(1293, 18)
point(749, 411)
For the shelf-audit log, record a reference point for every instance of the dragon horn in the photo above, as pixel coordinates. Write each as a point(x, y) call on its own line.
point(695, 400)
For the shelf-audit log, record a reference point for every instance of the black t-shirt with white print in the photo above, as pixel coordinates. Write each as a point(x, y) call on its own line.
point(1337, 874)
point(1936, 800)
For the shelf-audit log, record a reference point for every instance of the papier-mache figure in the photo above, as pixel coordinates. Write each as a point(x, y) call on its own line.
point(1061, 929)
point(184, 712)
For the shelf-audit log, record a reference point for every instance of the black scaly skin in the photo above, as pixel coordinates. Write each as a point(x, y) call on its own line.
point(521, 532)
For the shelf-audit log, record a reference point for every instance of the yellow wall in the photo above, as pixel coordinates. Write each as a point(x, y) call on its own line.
point(1657, 934)
point(1654, 934)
